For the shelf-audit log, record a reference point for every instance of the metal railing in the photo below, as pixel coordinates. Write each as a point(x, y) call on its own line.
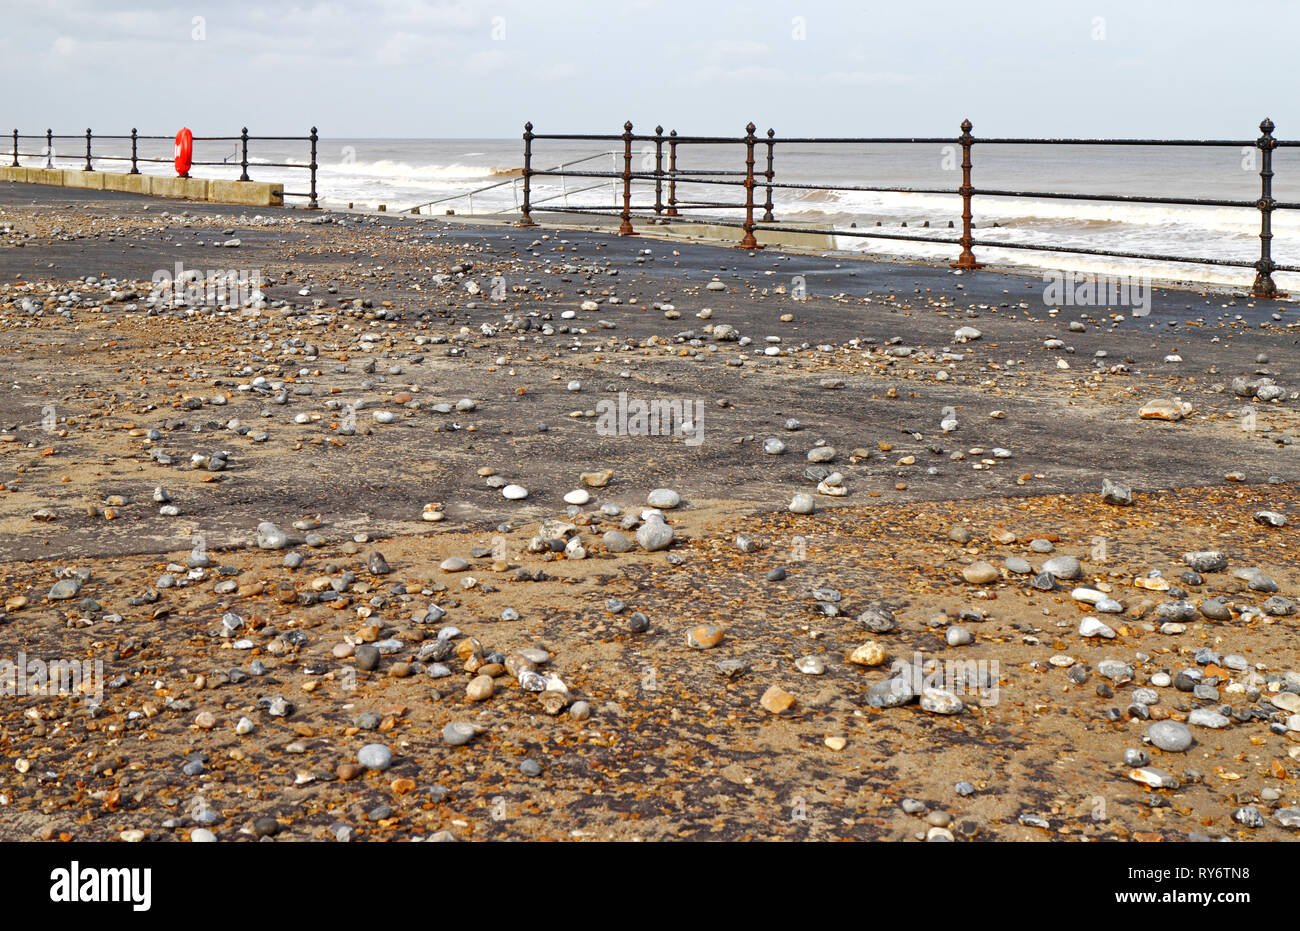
point(750, 180)
point(135, 158)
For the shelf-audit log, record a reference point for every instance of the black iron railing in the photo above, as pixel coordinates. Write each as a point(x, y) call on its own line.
point(749, 179)
point(135, 158)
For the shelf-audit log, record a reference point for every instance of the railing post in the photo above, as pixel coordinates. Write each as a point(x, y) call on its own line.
point(135, 168)
point(659, 171)
point(769, 174)
point(749, 242)
point(1264, 286)
point(312, 204)
point(15, 147)
point(967, 257)
point(243, 159)
point(672, 175)
point(49, 148)
point(526, 210)
point(625, 228)
point(87, 168)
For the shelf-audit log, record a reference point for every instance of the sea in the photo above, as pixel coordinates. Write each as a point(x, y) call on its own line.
point(481, 177)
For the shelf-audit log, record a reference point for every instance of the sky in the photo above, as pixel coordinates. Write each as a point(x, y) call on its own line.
point(426, 68)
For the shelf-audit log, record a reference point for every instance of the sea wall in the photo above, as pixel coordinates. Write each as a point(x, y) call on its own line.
point(247, 193)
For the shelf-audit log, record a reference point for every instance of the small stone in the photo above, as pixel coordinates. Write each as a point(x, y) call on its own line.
point(891, 693)
point(1091, 627)
point(375, 756)
point(704, 637)
point(1116, 493)
point(480, 688)
point(663, 498)
point(941, 701)
point(616, 542)
point(459, 733)
point(869, 654)
point(980, 573)
point(270, 537)
point(598, 479)
point(1163, 409)
point(776, 700)
point(1206, 561)
point(958, 636)
point(1155, 778)
point(802, 503)
point(1170, 736)
point(1063, 567)
point(367, 657)
point(654, 535)
point(810, 665)
point(1204, 717)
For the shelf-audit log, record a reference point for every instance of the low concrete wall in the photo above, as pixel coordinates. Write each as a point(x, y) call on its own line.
point(245, 193)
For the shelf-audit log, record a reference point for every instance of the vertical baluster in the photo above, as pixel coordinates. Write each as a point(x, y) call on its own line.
point(659, 171)
point(672, 175)
point(312, 204)
point(526, 212)
point(1264, 286)
point(625, 228)
point(967, 257)
point(771, 145)
point(749, 242)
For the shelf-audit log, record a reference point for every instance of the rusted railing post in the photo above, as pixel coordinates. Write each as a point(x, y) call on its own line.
point(749, 242)
point(672, 175)
point(1264, 286)
point(312, 204)
point(135, 167)
point(87, 168)
point(625, 228)
point(659, 171)
point(769, 174)
point(967, 257)
point(243, 158)
point(49, 148)
point(15, 165)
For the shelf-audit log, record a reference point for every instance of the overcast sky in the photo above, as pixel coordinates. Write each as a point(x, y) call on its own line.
point(425, 68)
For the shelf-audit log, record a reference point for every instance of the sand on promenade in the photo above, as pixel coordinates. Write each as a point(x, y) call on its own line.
point(954, 451)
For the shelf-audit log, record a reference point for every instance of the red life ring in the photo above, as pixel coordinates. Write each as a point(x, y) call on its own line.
point(184, 152)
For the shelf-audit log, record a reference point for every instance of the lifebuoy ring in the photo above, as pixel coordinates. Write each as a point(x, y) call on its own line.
point(184, 152)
